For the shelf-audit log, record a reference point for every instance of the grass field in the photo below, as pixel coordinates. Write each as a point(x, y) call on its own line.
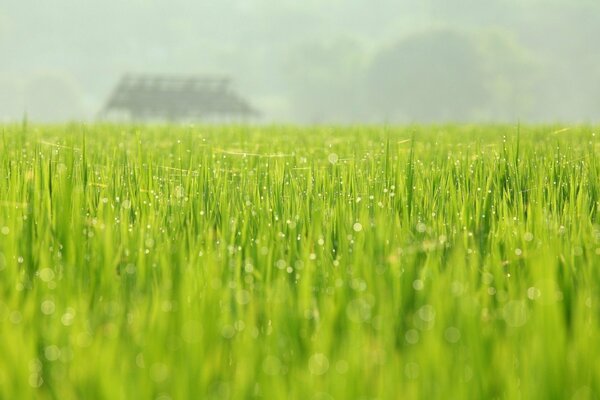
point(428, 262)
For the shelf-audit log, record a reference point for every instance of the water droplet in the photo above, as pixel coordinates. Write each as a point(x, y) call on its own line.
point(48, 307)
point(35, 380)
point(46, 274)
point(412, 370)
point(318, 364)
point(67, 318)
point(457, 288)
point(452, 334)
point(533, 293)
point(227, 331)
point(179, 192)
point(52, 353)
point(418, 285)
point(515, 313)
point(341, 367)
point(357, 227)
point(487, 278)
point(358, 310)
point(426, 313)
point(242, 297)
point(412, 336)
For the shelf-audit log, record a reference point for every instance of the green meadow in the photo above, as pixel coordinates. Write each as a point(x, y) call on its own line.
point(240, 262)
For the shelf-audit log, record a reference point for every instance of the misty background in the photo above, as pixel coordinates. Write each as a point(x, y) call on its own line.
point(313, 61)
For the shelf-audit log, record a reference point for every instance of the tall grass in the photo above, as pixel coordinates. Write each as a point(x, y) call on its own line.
point(309, 263)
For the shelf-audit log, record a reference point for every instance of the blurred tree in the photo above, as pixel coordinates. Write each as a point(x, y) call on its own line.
point(511, 76)
point(432, 76)
point(451, 75)
point(325, 81)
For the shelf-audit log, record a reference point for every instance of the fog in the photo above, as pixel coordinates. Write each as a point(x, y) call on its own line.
point(313, 61)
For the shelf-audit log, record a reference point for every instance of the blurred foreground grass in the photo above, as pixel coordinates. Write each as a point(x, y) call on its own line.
point(428, 262)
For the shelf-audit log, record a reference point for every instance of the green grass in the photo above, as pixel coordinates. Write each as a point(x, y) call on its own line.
point(433, 262)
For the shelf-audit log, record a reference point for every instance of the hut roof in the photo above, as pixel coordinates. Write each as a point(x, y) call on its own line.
point(176, 98)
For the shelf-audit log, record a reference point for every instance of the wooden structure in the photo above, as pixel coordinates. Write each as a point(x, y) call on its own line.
point(176, 99)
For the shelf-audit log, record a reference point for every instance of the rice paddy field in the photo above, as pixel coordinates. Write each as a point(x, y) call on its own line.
point(239, 262)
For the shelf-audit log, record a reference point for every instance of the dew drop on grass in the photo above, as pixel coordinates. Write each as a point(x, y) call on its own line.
point(452, 334)
point(533, 293)
point(15, 317)
point(272, 366)
point(487, 278)
point(130, 269)
point(467, 374)
point(179, 192)
point(242, 297)
point(46, 274)
point(5, 231)
point(48, 307)
point(358, 310)
point(228, 331)
point(426, 313)
point(357, 227)
point(159, 372)
point(318, 364)
point(412, 370)
point(52, 353)
point(35, 365)
point(280, 264)
point(341, 367)
point(515, 313)
point(84, 339)
point(424, 318)
point(35, 380)
point(412, 336)
point(333, 158)
point(418, 285)
point(139, 360)
point(67, 318)
point(457, 288)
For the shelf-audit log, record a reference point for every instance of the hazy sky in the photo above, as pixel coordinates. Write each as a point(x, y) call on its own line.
point(312, 61)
